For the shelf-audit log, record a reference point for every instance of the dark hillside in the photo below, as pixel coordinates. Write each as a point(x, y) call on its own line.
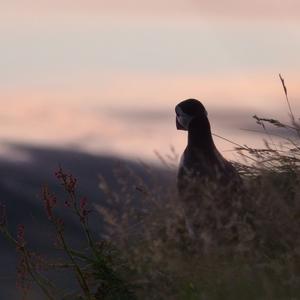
point(20, 188)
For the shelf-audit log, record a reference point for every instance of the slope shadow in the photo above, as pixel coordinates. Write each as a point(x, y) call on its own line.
point(20, 187)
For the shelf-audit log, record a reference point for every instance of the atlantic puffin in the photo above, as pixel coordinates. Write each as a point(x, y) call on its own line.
point(202, 167)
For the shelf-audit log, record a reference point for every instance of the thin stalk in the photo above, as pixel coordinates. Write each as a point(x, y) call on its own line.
point(30, 269)
point(287, 97)
point(35, 276)
point(84, 225)
point(81, 279)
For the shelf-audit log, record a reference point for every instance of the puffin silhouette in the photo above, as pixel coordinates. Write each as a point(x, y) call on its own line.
point(201, 164)
point(200, 159)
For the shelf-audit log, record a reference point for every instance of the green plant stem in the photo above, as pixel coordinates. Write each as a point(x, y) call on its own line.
point(83, 224)
point(35, 276)
point(80, 275)
point(30, 269)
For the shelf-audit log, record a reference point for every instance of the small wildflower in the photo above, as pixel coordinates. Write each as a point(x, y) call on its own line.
point(38, 261)
point(68, 181)
point(22, 267)
point(67, 204)
point(21, 237)
point(83, 210)
point(22, 277)
point(49, 201)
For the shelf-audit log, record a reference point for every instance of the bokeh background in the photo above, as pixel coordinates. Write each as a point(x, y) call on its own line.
point(83, 82)
point(104, 76)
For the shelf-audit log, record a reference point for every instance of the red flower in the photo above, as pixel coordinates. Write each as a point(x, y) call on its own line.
point(22, 277)
point(68, 181)
point(49, 201)
point(21, 236)
point(83, 210)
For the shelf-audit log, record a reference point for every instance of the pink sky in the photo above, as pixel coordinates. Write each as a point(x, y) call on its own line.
point(232, 8)
point(97, 75)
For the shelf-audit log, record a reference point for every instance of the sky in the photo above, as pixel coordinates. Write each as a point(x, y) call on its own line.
point(104, 76)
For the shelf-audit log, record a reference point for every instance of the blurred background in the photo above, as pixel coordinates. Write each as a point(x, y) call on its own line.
point(84, 82)
point(103, 77)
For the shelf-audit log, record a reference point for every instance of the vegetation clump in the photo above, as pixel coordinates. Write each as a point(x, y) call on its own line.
point(146, 251)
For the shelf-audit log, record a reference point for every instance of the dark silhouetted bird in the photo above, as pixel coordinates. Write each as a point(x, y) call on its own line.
point(202, 164)
point(200, 158)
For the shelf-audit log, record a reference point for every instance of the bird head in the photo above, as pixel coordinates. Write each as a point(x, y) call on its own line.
point(188, 110)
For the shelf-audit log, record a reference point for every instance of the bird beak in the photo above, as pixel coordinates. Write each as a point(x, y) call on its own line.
point(179, 126)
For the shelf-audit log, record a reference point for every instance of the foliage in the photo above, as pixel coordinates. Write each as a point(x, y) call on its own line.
point(97, 267)
point(147, 251)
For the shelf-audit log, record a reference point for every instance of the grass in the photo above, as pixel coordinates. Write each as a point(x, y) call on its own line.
point(146, 251)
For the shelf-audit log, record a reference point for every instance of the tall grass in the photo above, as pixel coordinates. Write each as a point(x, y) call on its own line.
point(262, 262)
point(146, 251)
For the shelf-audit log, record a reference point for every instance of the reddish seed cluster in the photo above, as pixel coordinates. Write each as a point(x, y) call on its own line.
point(22, 274)
point(49, 201)
point(21, 236)
point(83, 210)
point(2, 215)
point(67, 180)
point(38, 261)
point(68, 203)
point(22, 268)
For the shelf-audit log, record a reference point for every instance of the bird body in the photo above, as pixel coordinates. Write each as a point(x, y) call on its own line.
point(205, 179)
point(200, 160)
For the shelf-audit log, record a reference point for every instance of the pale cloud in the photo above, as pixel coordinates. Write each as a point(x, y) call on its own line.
point(116, 118)
point(53, 52)
point(64, 64)
point(158, 8)
point(152, 91)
